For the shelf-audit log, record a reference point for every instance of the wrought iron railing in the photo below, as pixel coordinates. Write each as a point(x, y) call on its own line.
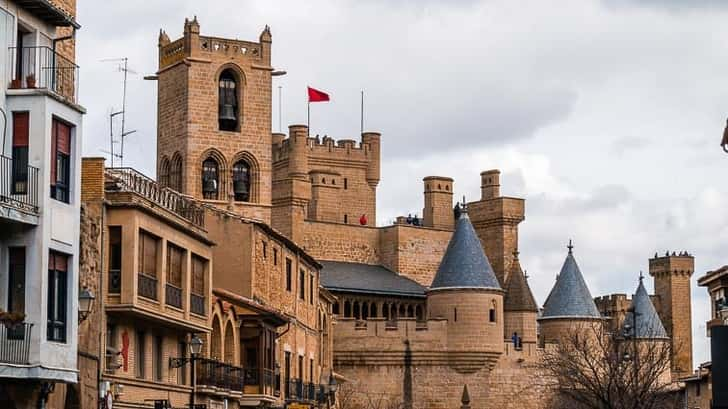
point(251, 376)
point(114, 281)
point(129, 179)
point(147, 286)
point(18, 184)
point(173, 296)
point(197, 304)
point(295, 389)
point(42, 67)
point(15, 343)
point(219, 374)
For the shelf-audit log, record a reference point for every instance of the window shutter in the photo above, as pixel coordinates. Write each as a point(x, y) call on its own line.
point(64, 138)
point(198, 275)
point(20, 128)
point(54, 152)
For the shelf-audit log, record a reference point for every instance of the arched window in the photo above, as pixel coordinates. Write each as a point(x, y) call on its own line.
point(228, 102)
point(491, 313)
point(347, 309)
point(175, 174)
point(418, 313)
point(210, 179)
point(241, 181)
point(163, 178)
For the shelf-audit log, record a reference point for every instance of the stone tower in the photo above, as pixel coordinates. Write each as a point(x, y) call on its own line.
point(519, 306)
point(496, 219)
point(672, 287)
point(466, 292)
point(322, 180)
point(438, 212)
point(214, 119)
point(569, 304)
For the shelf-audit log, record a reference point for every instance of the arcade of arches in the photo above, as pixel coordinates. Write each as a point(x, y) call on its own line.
point(389, 308)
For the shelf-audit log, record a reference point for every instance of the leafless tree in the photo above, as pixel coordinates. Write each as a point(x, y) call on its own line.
point(598, 369)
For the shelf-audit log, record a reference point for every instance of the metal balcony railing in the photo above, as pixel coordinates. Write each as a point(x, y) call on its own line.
point(15, 343)
point(147, 286)
point(219, 374)
point(44, 68)
point(173, 296)
point(131, 180)
point(197, 304)
point(18, 184)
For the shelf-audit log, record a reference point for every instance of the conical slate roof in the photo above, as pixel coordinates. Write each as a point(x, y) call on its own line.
point(518, 294)
point(464, 264)
point(648, 322)
point(570, 297)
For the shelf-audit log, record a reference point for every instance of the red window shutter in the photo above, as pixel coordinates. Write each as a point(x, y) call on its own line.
point(64, 138)
point(20, 128)
point(54, 138)
point(58, 262)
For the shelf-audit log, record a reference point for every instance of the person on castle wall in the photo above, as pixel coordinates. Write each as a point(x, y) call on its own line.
point(409, 218)
point(416, 221)
point(516, 341)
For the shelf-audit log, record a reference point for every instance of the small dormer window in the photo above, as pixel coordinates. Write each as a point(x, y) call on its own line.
point(228, 102)
point(210, 180)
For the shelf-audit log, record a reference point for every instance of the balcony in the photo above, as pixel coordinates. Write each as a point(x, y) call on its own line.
point(216, 374)
point(197, 304)
point(18, 189)
point(15, 344)
point(173, 296)
point(147, 286)
point(43, 68)
point(128, 179)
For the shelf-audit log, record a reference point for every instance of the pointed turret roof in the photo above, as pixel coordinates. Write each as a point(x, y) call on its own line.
point(518, 294)
point(648, 322)
point(464, 264)
point(570, 297)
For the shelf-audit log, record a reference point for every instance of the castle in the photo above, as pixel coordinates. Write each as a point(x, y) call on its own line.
point(300, 290)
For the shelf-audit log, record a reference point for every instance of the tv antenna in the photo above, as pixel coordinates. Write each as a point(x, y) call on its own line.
point(122, 67)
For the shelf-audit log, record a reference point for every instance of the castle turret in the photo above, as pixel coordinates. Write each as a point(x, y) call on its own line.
point(489, 184)
point(519, 306)
point(438, 202)
point(569, 305)
point(496, 220)
point(466, 292)
point(672, 274)
point(647, 324)
point(373, 141)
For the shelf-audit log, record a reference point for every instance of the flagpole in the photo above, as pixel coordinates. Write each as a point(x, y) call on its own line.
point(361, 126)
point(308, 120)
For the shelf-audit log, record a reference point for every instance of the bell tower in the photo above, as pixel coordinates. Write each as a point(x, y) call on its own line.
point(214, 119)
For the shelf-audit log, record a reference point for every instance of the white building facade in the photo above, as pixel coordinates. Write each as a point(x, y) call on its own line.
point(40, 168)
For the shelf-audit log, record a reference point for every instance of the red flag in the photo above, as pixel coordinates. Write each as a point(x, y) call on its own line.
point(315, 95)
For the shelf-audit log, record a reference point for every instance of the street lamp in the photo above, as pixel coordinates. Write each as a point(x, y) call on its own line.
point(333, 387)
point(85, 302)
point(195, 345)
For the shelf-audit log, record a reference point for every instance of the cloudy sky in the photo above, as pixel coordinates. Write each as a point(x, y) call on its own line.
point(605, 115)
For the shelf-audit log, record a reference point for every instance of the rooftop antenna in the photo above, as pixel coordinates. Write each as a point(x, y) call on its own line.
point(123, 67)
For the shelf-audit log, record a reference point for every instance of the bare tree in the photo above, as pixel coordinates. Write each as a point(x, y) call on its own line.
point(594, 368)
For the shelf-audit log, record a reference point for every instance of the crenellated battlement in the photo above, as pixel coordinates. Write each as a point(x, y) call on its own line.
point(194, 45)
point(343, 149)
point(612, 298)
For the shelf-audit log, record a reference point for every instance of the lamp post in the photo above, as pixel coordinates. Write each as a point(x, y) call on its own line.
point(333, 387)
point(85, 303)
point(195, 345)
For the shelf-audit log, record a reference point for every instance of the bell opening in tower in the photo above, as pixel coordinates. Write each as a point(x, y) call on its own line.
point(228, 101)
point(241, 181)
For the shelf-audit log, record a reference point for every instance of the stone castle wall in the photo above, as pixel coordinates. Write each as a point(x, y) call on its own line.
point(406, 361)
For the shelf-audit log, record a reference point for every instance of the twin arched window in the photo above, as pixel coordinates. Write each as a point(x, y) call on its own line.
point(228, 113)
point(241, 178)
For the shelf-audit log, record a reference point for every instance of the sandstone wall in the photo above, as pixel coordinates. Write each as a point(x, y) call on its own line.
point(340, 242)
